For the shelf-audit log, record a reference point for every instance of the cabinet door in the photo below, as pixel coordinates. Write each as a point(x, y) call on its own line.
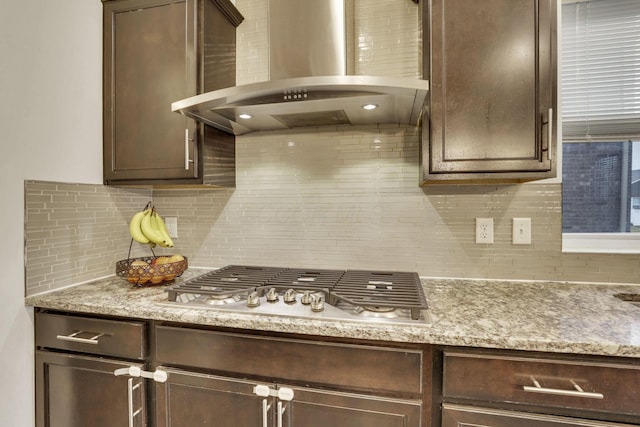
point(80, 391)
point(493, 89)
point(193, 399)
point(319, 408)
point(150, 61)
point(459, 416)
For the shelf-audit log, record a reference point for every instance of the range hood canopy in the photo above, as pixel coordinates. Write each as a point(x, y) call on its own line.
point(308, 101)
point(311, 88)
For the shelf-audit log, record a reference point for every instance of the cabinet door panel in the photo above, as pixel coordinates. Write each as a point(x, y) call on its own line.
point(492, 86)
point(488, 79)
point(80, 391)
point(318, 408)
point(150, 62)
point(192, 399)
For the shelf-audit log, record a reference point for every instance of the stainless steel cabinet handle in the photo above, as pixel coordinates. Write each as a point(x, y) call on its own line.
point(265, 413)
point(549, 125)
point(130, 389)
point(74, 338)
point(549, 133)
point(135, 372)
point(187, 160)
point(576, 392)
point(285, 394)
point(264, 391)
point(281, 410)
point(130, 400)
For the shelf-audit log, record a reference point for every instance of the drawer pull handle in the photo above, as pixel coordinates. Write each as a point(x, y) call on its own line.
point(577, 392)
point(74, 338)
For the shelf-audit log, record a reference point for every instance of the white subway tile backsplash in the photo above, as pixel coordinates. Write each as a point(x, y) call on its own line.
point(75, 232)
point(331, 203)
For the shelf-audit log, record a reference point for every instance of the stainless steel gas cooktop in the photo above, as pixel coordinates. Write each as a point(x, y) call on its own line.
point(375, 296)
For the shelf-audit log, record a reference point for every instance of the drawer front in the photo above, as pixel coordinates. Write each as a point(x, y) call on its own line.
point(356, 367)
point(88, 335)
point(456, 416)
point(602, 387)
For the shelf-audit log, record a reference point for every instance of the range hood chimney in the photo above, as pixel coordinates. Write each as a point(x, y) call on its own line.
point(310, 82)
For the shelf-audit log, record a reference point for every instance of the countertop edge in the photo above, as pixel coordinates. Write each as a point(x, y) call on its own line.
point(463, 314)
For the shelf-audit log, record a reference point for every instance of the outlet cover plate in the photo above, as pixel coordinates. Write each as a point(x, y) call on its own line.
point(484, 230)
point(172, 226)
point(521, 234)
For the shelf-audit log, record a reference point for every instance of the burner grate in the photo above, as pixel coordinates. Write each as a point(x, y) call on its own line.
point(401, 290)
point(305, 280)
point(229, 280)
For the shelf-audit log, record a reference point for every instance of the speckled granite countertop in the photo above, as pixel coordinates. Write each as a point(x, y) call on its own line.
point(538, 316)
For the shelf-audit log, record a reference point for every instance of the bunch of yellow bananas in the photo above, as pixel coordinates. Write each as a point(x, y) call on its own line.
point(148, 227)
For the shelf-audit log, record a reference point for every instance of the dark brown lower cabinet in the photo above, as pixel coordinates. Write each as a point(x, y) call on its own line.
point(117, 372)
point(230, 379)
point(77, 357)
point(81, 391)
point(459, 416)
point(190, 399)
point(96, 371)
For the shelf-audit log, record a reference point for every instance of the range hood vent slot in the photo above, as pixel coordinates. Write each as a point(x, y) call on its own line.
point(322, 118)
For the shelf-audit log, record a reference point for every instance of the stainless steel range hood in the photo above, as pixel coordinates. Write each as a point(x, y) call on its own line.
point(309, 86)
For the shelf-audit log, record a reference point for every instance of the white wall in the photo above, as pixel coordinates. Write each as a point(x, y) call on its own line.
point(50, 129)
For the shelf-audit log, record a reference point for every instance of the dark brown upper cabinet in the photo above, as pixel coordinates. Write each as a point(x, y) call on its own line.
point(492, 109)
point(157, 52)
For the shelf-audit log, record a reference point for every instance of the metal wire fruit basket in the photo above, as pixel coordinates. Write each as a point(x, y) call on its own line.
point(151, 270)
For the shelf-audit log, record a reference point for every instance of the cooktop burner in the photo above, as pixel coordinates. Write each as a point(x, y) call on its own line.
point(229, 281)
point(353, 294)
point(381, 292)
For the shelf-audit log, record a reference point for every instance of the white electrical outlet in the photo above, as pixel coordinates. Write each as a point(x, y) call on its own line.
point(484, 230)
point(172, 226)
point(521, 231)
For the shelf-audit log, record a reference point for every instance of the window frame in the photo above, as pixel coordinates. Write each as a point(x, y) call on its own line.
point(606, 243)
point(602, 243)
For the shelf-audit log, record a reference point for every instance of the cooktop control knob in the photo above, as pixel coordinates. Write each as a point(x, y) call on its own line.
point(290, 296)
point(306, 298)
point(317, 304)
point(272, 295)
point(253, 300)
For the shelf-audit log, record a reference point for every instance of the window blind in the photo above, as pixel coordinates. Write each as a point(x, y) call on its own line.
point(601, 70)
